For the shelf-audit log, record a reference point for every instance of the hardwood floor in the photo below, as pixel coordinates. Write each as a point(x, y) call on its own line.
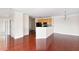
point(62, 42)
point(56, 42)
point(27, 43)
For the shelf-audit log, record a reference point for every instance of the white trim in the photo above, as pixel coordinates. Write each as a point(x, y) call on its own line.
point(67, 33)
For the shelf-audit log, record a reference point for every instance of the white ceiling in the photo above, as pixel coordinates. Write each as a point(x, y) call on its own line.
point(5, 12)
point(40, 12)
point(45, 12)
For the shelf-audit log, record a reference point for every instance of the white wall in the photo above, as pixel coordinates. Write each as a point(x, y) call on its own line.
point(1, 26)
point(4, 26)
point(26, 25)
point(69, 26)
point(17, 25)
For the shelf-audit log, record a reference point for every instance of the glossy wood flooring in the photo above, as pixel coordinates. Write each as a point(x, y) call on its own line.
point(56, 42)
point(27, 43)
point(62, 42)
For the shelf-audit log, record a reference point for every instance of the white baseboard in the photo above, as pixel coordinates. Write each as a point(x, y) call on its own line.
point(67, 33)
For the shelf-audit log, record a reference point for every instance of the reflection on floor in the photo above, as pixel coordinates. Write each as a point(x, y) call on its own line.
point(2, 43)
point(56, 42)
point(27, 43)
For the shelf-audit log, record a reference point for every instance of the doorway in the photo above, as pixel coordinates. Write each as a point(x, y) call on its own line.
point(31, 26)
